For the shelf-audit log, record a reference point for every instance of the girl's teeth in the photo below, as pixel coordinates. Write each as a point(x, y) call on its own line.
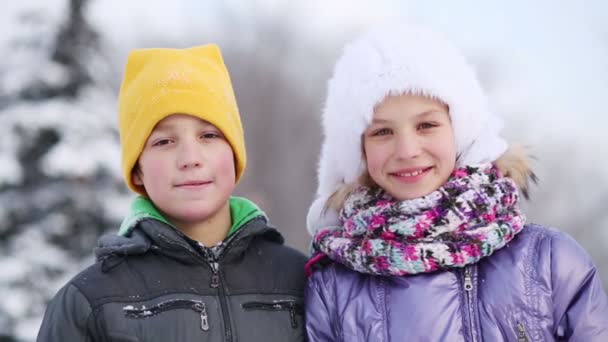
point(409, 174)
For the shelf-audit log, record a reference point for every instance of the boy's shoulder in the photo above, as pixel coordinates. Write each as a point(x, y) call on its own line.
point(106, 278)
point(265, 262)
point(260, 237)
point(128, 269)
point(278, 249)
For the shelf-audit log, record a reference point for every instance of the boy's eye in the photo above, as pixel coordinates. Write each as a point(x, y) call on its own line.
point(381, 131)
point(211, 135)
point(161, 142)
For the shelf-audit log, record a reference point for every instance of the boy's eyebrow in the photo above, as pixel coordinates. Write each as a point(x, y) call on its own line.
point(167, 126)
point(163, 126)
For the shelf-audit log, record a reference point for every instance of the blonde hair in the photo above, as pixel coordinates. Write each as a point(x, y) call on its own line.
point(514, 163)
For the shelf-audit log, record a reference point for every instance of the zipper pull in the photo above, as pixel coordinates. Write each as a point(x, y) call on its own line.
point(215, 280)
point(215, 277)
point(468, 282)
point(204, 318)
point(522, 336)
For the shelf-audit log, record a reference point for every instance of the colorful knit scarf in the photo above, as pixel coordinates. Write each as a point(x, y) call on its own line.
point(473, 214)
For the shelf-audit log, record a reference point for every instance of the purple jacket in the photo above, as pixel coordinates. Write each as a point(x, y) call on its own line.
point(541, 287)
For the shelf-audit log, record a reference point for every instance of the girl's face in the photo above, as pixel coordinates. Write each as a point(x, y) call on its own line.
point(409, 146)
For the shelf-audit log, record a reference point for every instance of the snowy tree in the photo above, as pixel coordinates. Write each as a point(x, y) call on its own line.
point(60, 176)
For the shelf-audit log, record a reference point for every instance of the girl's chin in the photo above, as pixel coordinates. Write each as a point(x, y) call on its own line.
point(410, 194)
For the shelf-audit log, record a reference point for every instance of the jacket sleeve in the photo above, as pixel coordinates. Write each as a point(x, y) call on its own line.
point(66, 317)
point(319, 325)
point(580, 302)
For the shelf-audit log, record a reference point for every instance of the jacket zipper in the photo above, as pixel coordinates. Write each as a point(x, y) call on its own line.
point(216, 283)
point(216, 279)
point(143, 312)
point(469, 305)
point(522, 334)
point(279, 305)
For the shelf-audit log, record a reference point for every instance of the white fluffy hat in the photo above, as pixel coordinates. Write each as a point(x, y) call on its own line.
point(394, 61)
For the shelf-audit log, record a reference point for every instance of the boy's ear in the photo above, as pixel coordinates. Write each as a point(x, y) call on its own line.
point(136, 175)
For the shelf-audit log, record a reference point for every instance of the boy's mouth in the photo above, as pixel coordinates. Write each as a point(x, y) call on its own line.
point(192, 184)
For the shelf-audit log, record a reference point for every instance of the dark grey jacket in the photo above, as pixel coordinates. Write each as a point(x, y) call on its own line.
point(156, 285)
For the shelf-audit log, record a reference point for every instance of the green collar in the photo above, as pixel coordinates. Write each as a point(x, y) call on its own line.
point(242, 211)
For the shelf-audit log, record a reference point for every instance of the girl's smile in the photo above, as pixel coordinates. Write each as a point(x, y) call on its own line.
point(411, 175)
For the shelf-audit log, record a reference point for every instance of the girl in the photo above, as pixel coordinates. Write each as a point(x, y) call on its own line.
point(417, 230)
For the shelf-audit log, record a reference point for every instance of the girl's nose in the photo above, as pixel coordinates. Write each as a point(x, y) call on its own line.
point(407, 146)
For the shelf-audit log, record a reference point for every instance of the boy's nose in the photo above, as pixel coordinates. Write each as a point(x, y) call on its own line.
point(189, 157)
point(189, 164)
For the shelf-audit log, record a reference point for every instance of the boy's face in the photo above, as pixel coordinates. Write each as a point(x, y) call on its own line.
point(187, 169)
point(409, 147)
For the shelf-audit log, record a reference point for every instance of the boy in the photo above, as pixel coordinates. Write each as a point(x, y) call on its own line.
point(190, 262)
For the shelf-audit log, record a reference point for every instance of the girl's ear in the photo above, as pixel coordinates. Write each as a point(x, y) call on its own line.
point(515, 164)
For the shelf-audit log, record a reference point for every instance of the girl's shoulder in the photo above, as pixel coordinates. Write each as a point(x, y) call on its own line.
point(535, 232)
point(330, 273)
point(551, 240)
point(569, 273)
point(559, 252)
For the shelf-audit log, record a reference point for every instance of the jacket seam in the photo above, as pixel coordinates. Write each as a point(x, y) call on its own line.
point(91, 315)
point(531, 282)
point(560, 319)
point(136, 274)
point(334, 276)
point(381, 293)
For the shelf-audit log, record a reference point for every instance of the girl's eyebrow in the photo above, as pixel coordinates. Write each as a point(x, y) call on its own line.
point(422, 114)
point(431, 112)
point(380, 121)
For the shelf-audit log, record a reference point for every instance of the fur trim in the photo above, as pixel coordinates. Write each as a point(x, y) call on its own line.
point(393, 61)
point(515, 164)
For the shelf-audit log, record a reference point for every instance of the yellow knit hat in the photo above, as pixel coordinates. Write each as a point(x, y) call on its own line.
point(161, 82)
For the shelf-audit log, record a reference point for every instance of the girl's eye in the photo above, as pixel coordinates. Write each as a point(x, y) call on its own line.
point(381, 132)
point(161, 142)
point(427, 125)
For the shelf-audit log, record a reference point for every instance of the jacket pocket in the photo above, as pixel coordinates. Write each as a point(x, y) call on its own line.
point(144, 312)
point(291, 306)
